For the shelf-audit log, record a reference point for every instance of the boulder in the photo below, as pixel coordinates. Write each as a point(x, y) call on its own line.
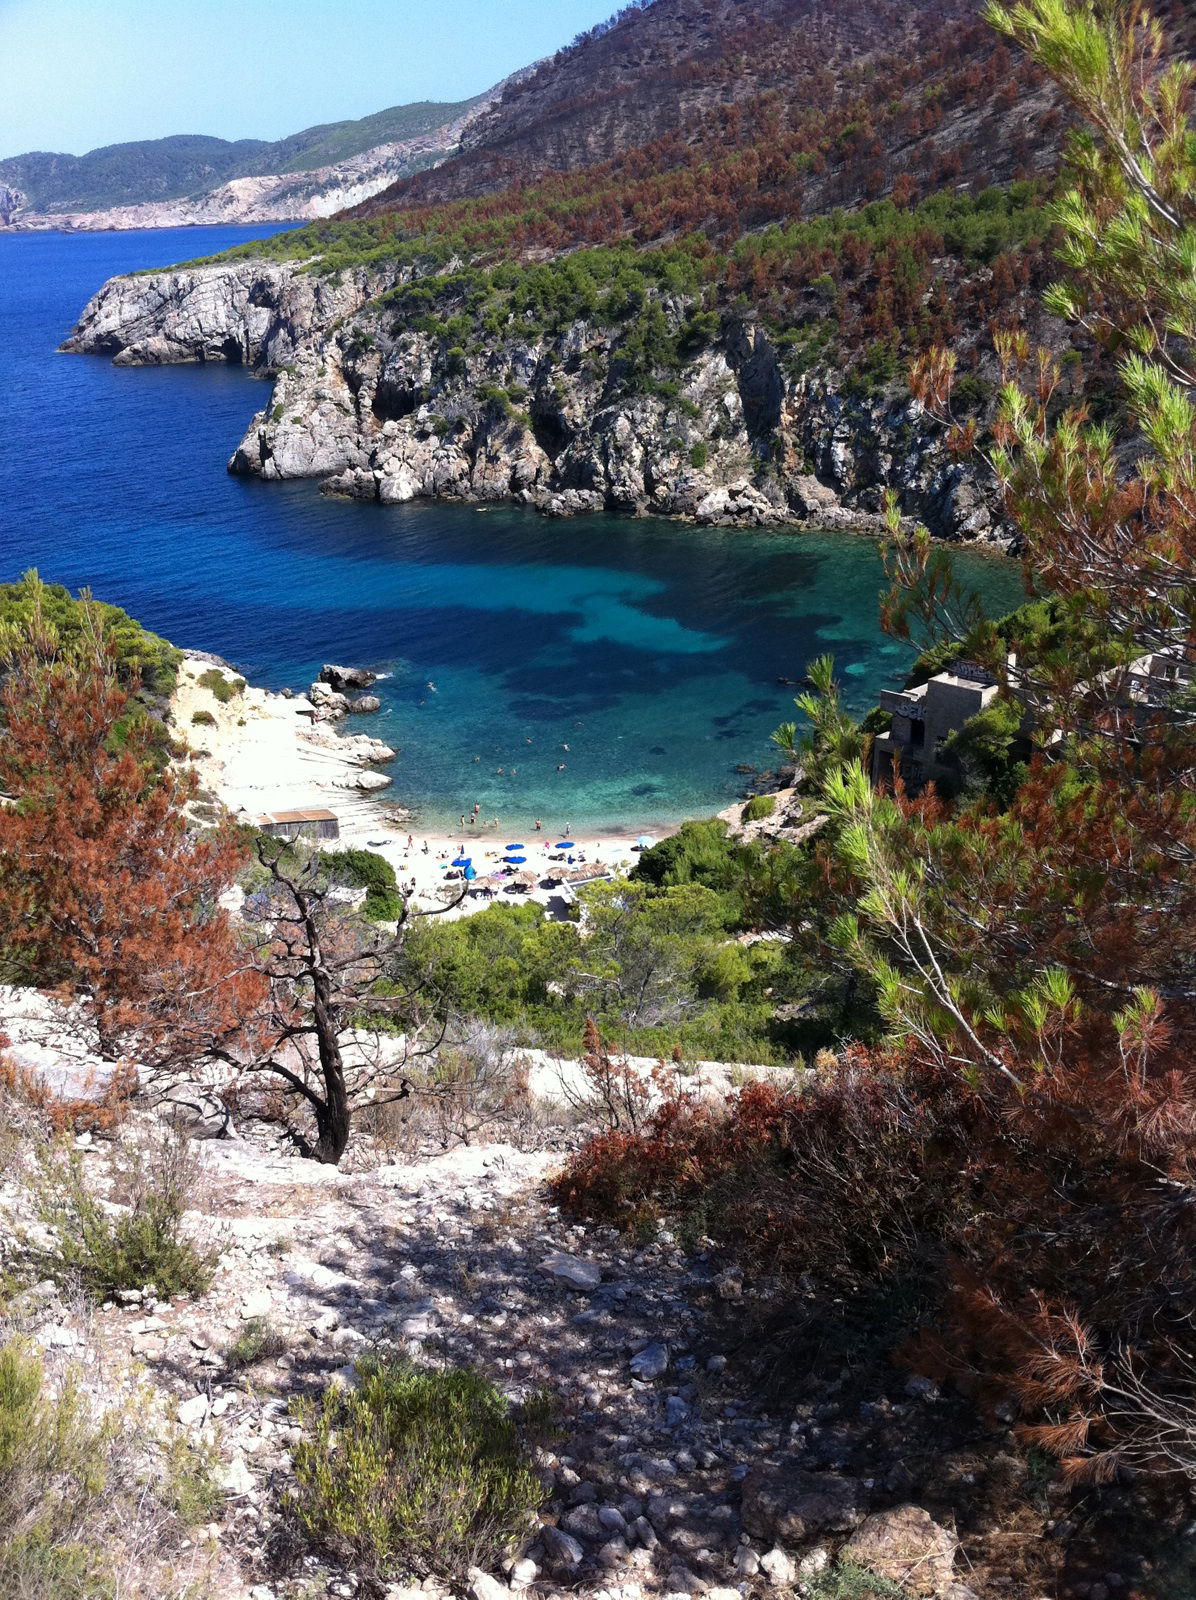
point(342, 678)
point(573, 1270)
point(483, 1587)
point(328, 703)
point(367, 782)
point(789, 1504)
point(906, 1546)
point(194, 1110)
point(562, 1548)
point(651, 1362)
point(778, 1568)
point(809, 497)
point(365, 704)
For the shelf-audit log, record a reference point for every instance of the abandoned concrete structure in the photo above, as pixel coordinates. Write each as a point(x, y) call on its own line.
point(924, 719)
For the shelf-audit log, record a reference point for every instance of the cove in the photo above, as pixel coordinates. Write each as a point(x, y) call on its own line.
point(640, 656)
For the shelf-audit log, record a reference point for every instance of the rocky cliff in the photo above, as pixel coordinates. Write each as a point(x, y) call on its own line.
point(378, 409)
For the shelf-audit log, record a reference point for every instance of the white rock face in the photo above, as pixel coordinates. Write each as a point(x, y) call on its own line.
point(377, 410)
point(215, 313)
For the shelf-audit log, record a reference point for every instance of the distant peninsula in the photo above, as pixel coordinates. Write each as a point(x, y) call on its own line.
point(191, 180)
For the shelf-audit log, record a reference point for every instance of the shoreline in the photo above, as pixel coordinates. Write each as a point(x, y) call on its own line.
point(257, 752)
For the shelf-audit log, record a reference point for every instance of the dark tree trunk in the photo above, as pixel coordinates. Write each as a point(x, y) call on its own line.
point(333, 1118)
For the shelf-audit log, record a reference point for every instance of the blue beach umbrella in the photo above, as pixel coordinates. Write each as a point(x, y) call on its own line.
point(462, 861)
point(470, 874)
point(516, 847)
point(516, 861)
point(563, 844)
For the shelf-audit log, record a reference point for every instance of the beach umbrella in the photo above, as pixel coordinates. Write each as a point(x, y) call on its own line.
point(462, 861)
point(470, 874)
point(516, 847)
point(516, 861)
point(564, 844)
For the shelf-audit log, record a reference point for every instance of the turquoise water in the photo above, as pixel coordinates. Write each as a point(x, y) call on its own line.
point(651, 650)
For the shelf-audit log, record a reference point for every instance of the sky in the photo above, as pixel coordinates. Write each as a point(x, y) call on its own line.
point(82, 73)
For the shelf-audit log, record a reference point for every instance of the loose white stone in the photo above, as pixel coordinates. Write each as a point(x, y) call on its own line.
point(573, 1270)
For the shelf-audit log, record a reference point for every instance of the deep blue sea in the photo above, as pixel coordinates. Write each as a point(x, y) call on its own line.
point(650, 650)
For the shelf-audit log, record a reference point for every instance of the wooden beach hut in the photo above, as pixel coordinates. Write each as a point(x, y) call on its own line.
point(300, 824)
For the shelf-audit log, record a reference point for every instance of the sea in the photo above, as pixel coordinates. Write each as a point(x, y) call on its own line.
point(606, 672)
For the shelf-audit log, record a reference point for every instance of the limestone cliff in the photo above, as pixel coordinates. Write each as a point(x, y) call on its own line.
point(379, 410)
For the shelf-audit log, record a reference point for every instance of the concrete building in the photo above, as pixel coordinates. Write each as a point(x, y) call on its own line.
point(924, 719)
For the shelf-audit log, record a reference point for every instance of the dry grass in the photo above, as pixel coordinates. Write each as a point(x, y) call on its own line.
point(93, 1504)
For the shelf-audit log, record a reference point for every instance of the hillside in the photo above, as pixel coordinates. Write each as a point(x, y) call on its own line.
point(187, 164)
point(679, 269)
point(693, 76)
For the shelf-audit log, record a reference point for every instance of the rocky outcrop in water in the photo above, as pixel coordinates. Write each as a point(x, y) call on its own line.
point(381, 411)
point(259, 314)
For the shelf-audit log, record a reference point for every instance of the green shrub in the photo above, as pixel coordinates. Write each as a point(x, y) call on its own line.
point(203, 719)
point(51, 1474)
point(363, 869)
point(221, 687)
point(140, 655)
point(972, 394)
point(699, 455)
point(79, 1517)
point(846, 1581)
point(415, 1472)
point(759, 807)
point(100, 1252)
point(494, 399)
point(257, 1341)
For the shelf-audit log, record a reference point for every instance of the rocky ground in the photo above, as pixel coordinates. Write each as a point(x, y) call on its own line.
point(675, 1472)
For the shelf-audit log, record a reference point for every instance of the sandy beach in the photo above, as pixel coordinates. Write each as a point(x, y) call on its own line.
point(258, 753)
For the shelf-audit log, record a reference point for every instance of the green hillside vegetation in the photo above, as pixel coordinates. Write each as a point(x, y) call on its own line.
point(141, 656)
point(330, 142)
point(188, 164)
point(865, 286)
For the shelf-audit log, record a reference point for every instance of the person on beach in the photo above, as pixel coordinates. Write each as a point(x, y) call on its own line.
point(462, 819)
point(539, 825)
point(568, 830)
point(410, 842)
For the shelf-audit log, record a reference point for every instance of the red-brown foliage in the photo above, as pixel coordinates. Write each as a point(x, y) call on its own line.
point(106, 893)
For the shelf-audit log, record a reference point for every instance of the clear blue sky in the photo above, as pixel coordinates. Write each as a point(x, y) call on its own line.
point(75, 74)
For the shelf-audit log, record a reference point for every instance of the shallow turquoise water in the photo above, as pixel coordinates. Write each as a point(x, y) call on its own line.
point(651, 650)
